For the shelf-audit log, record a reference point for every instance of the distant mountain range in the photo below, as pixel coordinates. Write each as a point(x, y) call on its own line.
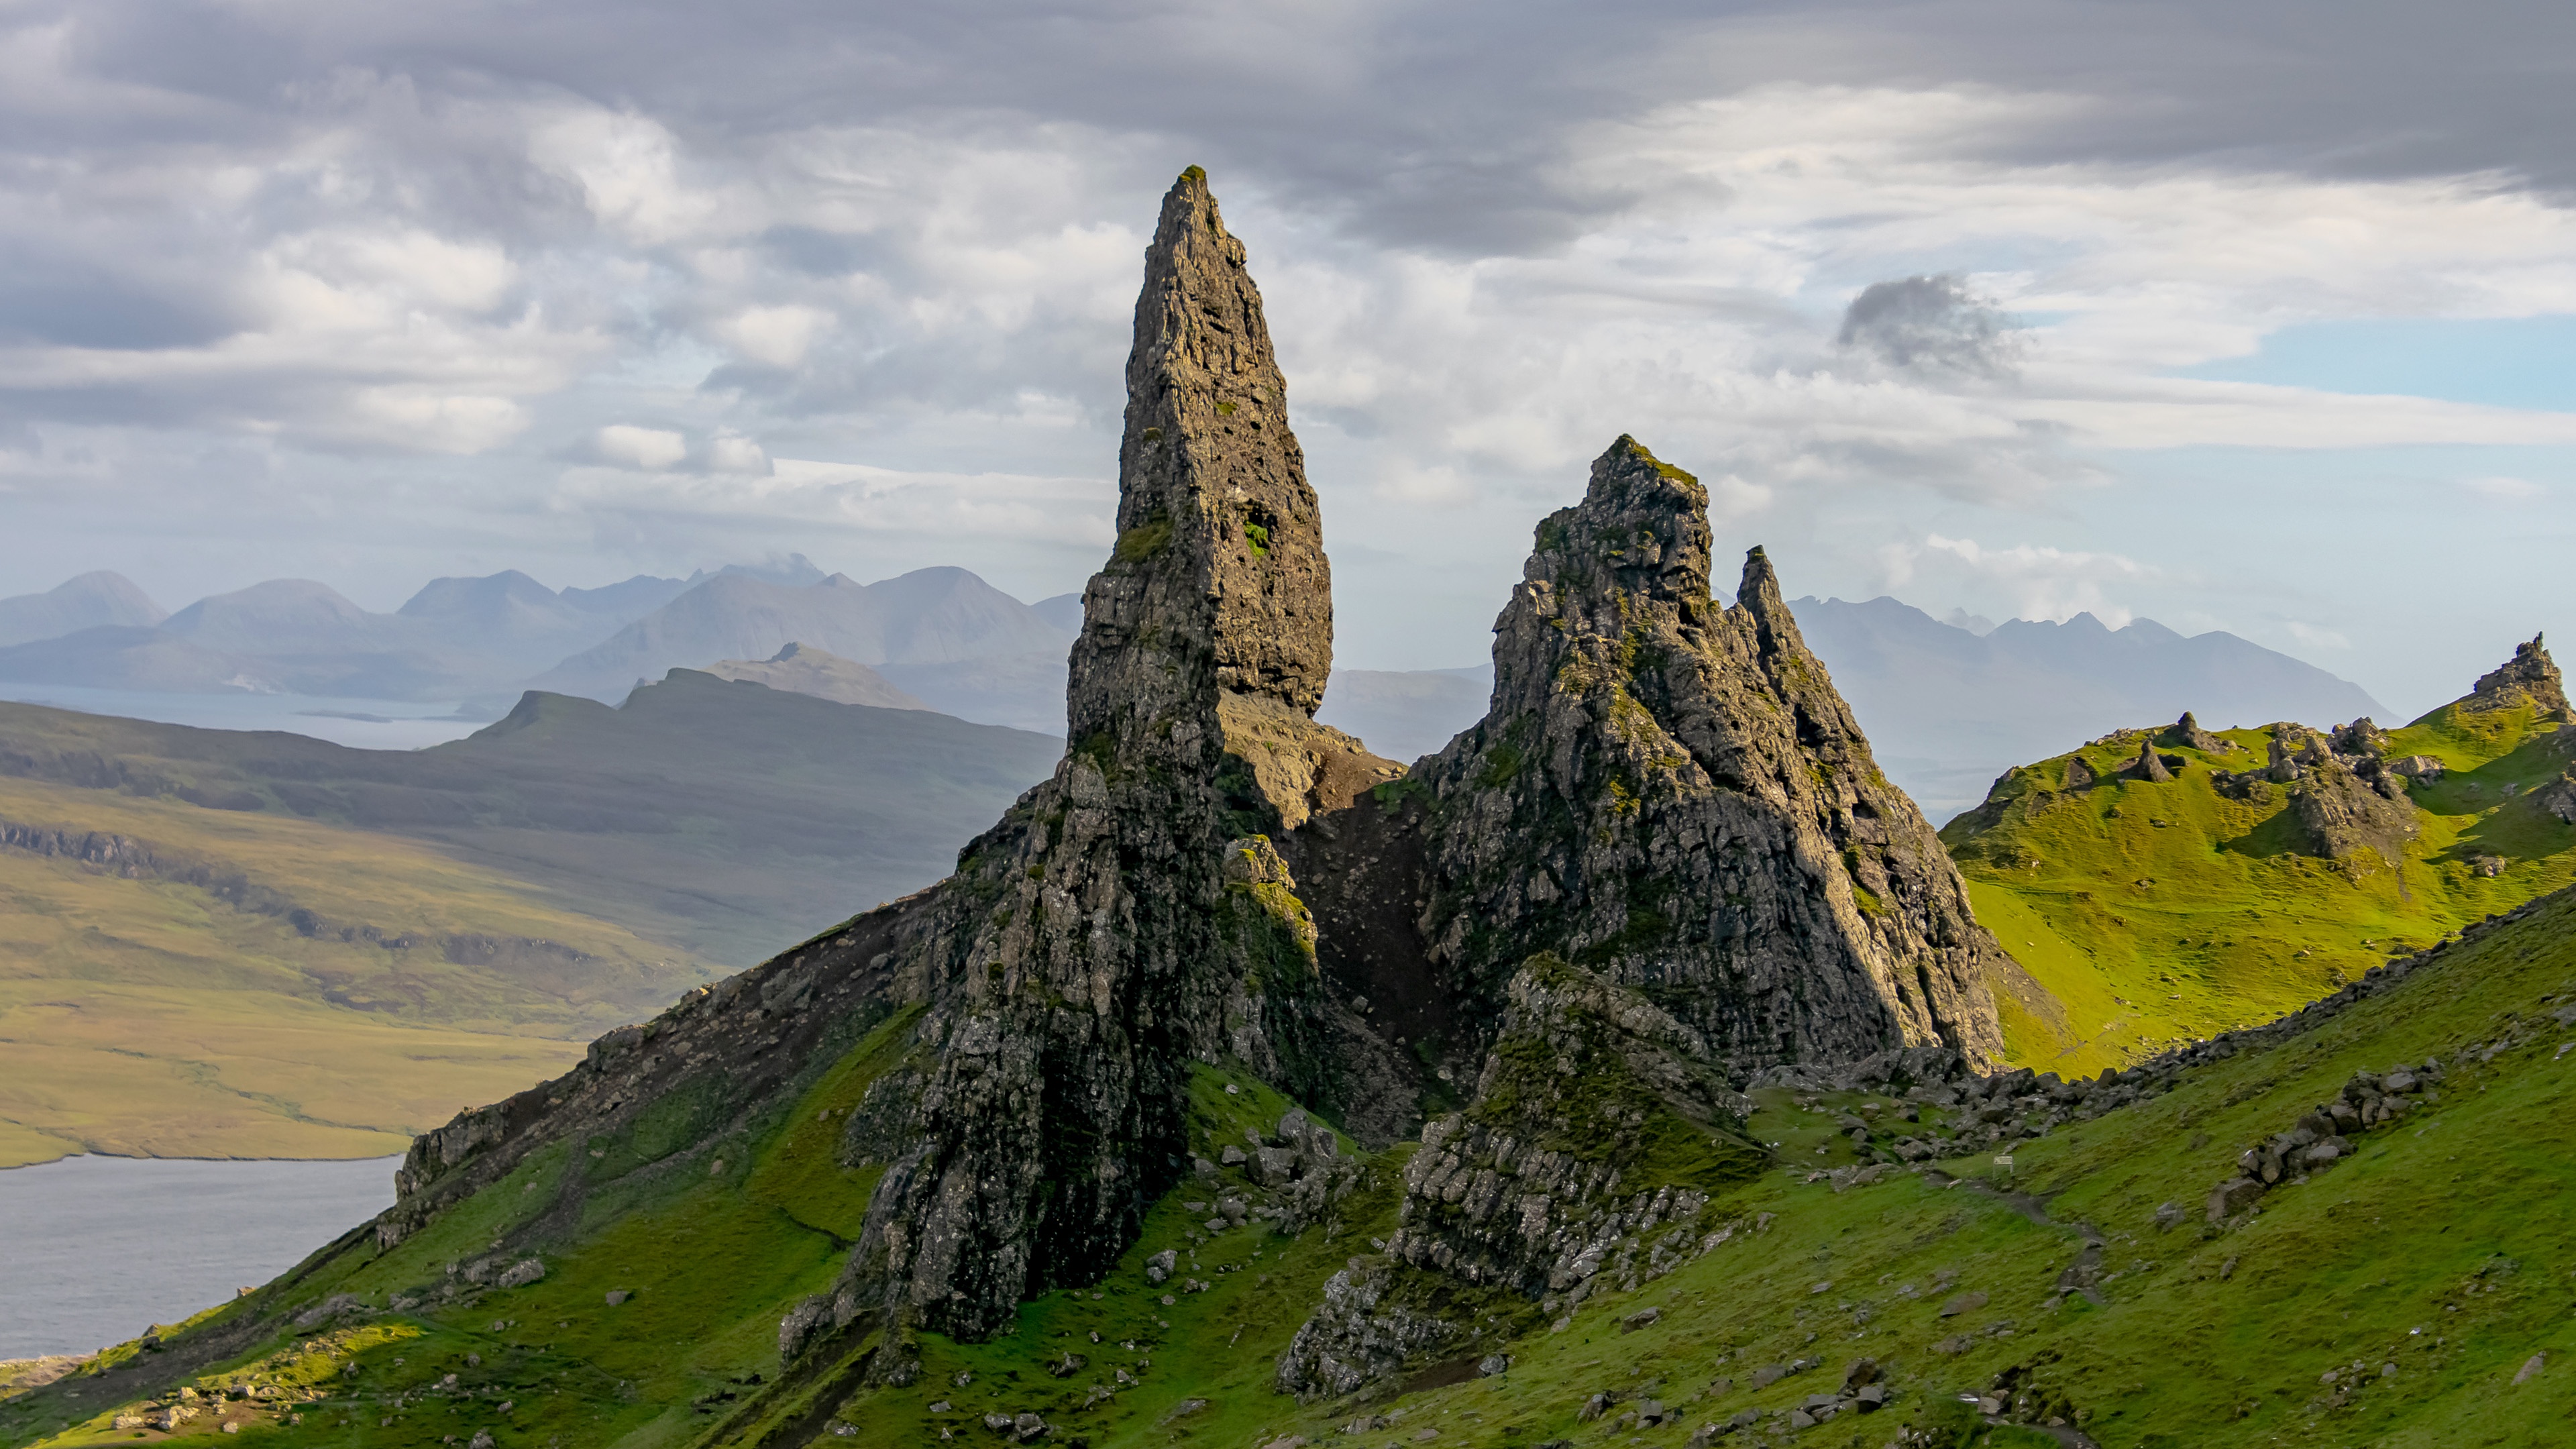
point(944, 638)
point(916, 629)
point(1949, 703)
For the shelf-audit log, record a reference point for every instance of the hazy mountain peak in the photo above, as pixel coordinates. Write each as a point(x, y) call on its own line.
point(92, 600)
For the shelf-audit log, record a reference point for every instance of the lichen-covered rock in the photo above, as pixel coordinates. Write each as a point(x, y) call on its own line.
point(1672, 795)
point(1597, 1118)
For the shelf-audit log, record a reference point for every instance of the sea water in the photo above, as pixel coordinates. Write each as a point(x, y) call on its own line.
point(366, 724)
point(96, 1250)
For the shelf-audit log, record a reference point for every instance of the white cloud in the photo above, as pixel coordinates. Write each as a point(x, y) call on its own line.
point(2041, 581)
point(648, 448)
point(776, 336)
point(2505, 490)
point(2316, 637)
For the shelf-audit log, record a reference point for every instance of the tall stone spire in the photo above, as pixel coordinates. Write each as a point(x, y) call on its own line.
point(1219, 580)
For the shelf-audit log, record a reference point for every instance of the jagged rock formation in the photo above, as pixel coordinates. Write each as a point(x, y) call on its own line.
point(2079, 775)
point(2529, 677)
point(1672, 795)
point(1668, 796)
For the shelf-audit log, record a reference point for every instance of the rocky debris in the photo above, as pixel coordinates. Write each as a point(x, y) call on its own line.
point(2417, 767)
point(2531, 1368)
point(2361, 737)
point(1673, 796)
point(1368, 1327)
point(617, 1296)
point(335, 1306)
point(2324, 1135)
point(2149, 765)
point(2558, 796)
point(2529, 677)
point(1162, 1265)
point(1968, 1302)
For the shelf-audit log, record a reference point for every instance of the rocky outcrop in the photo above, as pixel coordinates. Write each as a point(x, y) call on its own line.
point(2347, 804)
point(1671, 794)
point(2530, 677)
point(2188, 733)
point(2079, 775)
point(2149, 765)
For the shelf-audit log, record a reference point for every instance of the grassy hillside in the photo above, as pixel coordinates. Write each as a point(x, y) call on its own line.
point(725, 820)
point(2147, 913)
point(2051, 1289)
point(184, 982)
point(300, 950)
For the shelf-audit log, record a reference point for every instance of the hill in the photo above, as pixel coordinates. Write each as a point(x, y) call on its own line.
point(2085, 1294)
point(722, 819)
point(91, 601)
point(803, 670)
point(178, 981)
point(2265, 871)
point(230, 944)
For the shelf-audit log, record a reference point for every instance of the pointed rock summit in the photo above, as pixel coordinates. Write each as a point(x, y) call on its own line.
point(1671, 794)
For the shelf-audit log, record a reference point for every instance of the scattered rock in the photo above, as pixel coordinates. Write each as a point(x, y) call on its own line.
point(1161, 1265)
point(2232, 1197)
point(617, 1296)
point(1639, 1319)
point(2530, 1369)
point(1968, 1302)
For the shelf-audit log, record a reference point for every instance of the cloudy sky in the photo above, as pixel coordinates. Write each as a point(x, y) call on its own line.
point(2254, 317)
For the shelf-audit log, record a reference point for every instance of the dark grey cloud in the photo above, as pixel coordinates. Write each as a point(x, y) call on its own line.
point(1929, 324)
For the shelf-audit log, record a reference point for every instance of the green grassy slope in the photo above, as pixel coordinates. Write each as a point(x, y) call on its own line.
point(2424, 1272)
point(2155, 912)
point(725, 819)
point(232, 984)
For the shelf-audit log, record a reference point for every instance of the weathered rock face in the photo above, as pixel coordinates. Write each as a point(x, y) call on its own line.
point(1119, 923)
point(1673, 796)
point(2529, 677)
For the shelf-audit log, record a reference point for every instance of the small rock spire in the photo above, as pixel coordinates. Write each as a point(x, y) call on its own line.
point(2150, 765)
point(2530, 676)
